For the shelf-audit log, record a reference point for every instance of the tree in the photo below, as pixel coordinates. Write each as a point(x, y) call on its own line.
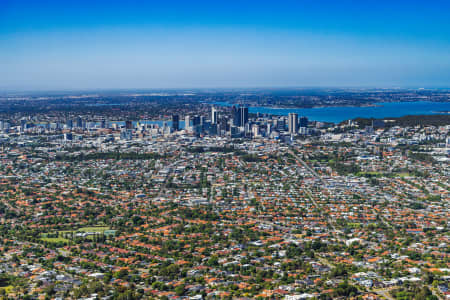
point(213, 261)
point(346, 290)
point(179, 290)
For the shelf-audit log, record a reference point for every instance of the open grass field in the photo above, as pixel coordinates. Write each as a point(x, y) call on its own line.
point(54, 239)
point(8, 289)
point(403, 175)
point(93, 229)
point(49, 237)
point(86, 229)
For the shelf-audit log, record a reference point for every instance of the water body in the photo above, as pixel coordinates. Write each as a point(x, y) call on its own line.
point(338, 114)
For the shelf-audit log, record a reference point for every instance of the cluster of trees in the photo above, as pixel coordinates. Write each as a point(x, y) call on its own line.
point(420, 156)
point(210, 149)
point(344, 169)
point(5, 280)
point(345, 290)
point(205, 213)
point(251, 158)
point(413, 292)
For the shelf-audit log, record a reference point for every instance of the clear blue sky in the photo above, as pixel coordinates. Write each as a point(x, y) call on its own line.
point(176, 44)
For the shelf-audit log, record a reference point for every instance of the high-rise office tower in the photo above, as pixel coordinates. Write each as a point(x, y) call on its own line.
point(214, 115)
point(243, 113)
point(280, 124)
point(23, 124)
point(255, 130)
point(128, 124)
point(236, 116)
point(187, 123)
point(303, 122)
point(196, 124)
point(268, 129)
point(79, 122)
point(175, 122)
point(196, 121)
point(293, 123)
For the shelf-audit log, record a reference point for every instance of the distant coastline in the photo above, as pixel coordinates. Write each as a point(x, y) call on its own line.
point(287, 107)
point(372, 104)
point(442, 112)
point(339, 113)
point(319, 106)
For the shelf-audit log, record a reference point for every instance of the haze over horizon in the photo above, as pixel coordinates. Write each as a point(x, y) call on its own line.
point(54, 45)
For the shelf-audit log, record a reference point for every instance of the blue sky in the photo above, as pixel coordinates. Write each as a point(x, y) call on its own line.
point(184, 44)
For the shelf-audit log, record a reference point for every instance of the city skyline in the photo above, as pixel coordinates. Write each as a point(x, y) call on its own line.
point(201, 150)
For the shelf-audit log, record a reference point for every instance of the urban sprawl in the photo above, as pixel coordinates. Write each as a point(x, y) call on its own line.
point(222, 204)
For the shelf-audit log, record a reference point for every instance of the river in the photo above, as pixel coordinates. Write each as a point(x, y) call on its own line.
point(337, 114)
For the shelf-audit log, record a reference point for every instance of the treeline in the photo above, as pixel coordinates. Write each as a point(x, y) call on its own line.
point(110, 155)
point(210, 149)
point(247, 157)
point(345, 169)
point(423, 120)
point(420, 156)
point(251, 158)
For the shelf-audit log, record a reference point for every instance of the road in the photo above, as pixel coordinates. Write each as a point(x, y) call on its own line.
point(314, 173)
point(308, 191)
point(383, 293)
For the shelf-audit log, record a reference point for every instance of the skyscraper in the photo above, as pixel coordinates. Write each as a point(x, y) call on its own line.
point(243, 113)
point(196, 124)
point(187, 123)
point(303, 122)
point(255, 130)
point(293, 123)
point(23, 124)
point(79, 122)
point(128, 124)
point(235, 115)
point(175, 122)
point(214, 115)
point(196, 121)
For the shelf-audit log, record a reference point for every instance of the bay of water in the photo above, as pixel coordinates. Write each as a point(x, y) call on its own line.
point(337, 114)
